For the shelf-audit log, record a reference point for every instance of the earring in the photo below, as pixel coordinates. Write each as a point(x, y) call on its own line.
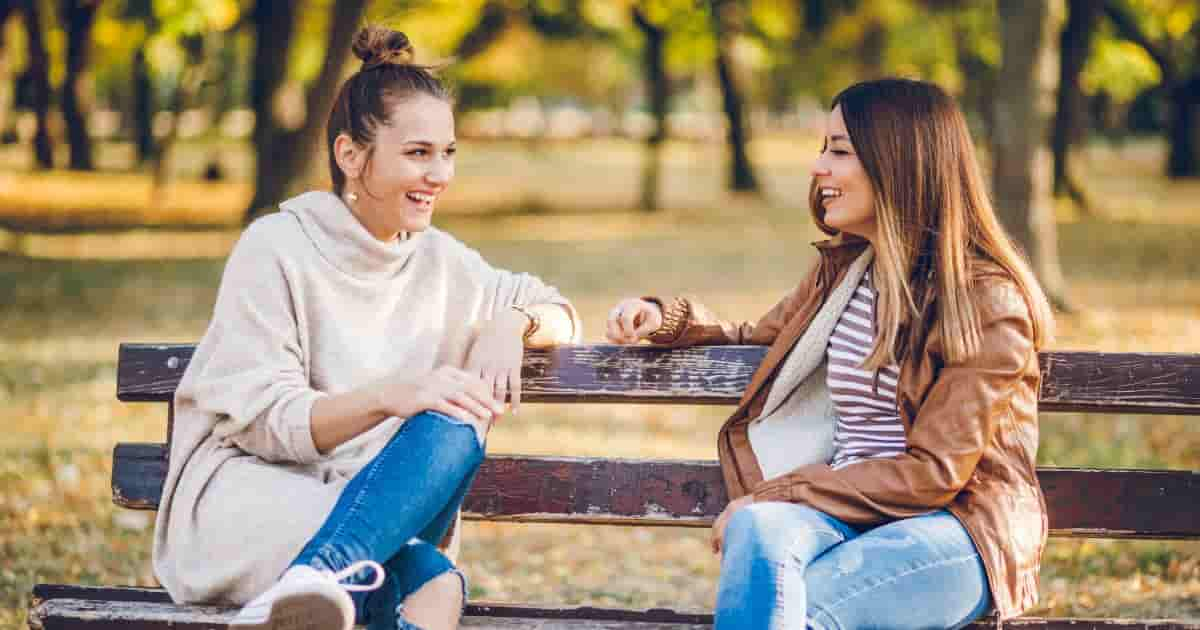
point(351, 197)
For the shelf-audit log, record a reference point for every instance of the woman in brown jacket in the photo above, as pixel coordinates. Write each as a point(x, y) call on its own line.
point(882, 460)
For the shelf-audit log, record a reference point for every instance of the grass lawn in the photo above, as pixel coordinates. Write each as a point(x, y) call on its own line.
point(560, 211)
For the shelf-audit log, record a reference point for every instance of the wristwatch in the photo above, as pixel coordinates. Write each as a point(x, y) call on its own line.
point(535, 321)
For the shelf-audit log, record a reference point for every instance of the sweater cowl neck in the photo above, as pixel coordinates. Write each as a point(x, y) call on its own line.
point(343, 240)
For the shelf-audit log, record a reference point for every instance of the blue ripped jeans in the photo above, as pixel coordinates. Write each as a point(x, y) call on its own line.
point(786, 566)
point(395, 511)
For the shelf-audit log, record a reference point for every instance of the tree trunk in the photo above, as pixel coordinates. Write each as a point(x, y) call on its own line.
point(78, 17)
point(872, 50)
point(143, 108)
point(197, 63)
point(979, 83)
point(1075, 47)
point(274, 24)
point(6, 9)
point(290, 151)
point(1181, 123)
point(6, 90)
point(741, 175)
point(39, 81)
point(654, 66)
point(1021, 158)
point(1184, 125)
point(817, 15)
point(493, 20)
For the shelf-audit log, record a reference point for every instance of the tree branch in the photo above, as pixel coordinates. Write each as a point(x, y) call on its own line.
point(344, 22)
point(493, 19)
point(1127, 26)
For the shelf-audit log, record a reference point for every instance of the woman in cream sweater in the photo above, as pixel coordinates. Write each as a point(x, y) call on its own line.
point(881, 462)
point(335, 412)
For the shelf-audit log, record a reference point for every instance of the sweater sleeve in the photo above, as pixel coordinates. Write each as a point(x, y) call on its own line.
point(509, 288)
point(249, 371)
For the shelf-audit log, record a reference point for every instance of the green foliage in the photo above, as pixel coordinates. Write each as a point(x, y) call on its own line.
point(1120, 68)
point(1124, 69)
point(588, 52)
point(1165, 19)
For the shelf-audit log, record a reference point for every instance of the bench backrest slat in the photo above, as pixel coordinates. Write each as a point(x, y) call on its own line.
point(1137, 383)
point(1092, 503)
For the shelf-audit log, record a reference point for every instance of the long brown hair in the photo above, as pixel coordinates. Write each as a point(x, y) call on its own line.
point(388, 75)
point(933, 217)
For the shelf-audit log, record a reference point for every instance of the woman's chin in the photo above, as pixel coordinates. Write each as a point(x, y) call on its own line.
point(416, 222)
point(835, 223)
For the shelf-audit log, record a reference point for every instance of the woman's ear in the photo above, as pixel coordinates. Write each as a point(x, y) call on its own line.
point(349, 155)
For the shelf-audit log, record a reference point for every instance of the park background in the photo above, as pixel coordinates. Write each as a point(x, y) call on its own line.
point(613, 147)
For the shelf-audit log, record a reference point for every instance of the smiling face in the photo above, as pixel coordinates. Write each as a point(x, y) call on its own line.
point(845, 190)
point(411, 164)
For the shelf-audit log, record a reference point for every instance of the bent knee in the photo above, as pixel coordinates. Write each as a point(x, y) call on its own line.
point(754, 523)
point(779, 526)
point(479, 429)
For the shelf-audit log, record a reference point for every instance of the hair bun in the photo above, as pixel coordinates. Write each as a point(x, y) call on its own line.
point(378, 45)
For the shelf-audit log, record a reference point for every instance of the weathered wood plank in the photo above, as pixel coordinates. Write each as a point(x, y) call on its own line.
point(138, 474)
point(597, 373)
point(1073, 381)
point(1082, 502)
point(1133, 382)
point(107, 593)
point(156, 601)
point(103, 614)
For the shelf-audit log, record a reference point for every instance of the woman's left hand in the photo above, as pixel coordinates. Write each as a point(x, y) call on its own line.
point(497, 354)
point(718, 528)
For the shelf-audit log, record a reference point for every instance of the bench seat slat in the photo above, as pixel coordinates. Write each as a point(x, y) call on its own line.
point(105, 610)
point(1142, 383)
point(141, 594)
point(1082, 502)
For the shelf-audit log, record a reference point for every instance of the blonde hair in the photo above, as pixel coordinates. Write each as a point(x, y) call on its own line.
point(934, 220)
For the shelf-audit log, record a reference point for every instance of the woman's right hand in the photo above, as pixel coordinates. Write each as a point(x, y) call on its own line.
point(632, 320)
point(447, 390)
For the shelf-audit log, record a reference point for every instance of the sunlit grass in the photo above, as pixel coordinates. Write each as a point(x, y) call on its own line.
point(66, 305)
point(68, 200)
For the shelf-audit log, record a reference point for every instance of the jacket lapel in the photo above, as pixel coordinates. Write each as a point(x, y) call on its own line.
point(790, 334)
point(733, 442)
point(809, 350)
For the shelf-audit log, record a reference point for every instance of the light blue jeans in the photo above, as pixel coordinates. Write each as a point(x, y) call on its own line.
point(786, 566)
point(395, 511)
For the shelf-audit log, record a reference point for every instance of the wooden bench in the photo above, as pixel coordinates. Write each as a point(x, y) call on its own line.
point(1146, 504)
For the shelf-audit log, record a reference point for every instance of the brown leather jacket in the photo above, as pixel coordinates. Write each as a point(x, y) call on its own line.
point(972, 428)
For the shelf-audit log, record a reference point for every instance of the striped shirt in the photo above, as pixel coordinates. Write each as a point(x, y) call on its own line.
point(868, 422)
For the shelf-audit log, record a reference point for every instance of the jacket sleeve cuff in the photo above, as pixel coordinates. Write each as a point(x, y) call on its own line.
point(775, 490)
point(676, 313)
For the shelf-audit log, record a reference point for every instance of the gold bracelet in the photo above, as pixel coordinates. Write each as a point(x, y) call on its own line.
point(535, 321)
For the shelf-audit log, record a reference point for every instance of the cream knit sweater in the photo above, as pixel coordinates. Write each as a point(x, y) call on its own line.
point(310, 304)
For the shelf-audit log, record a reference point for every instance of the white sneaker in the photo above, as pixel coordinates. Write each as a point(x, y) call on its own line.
point(307, 599)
